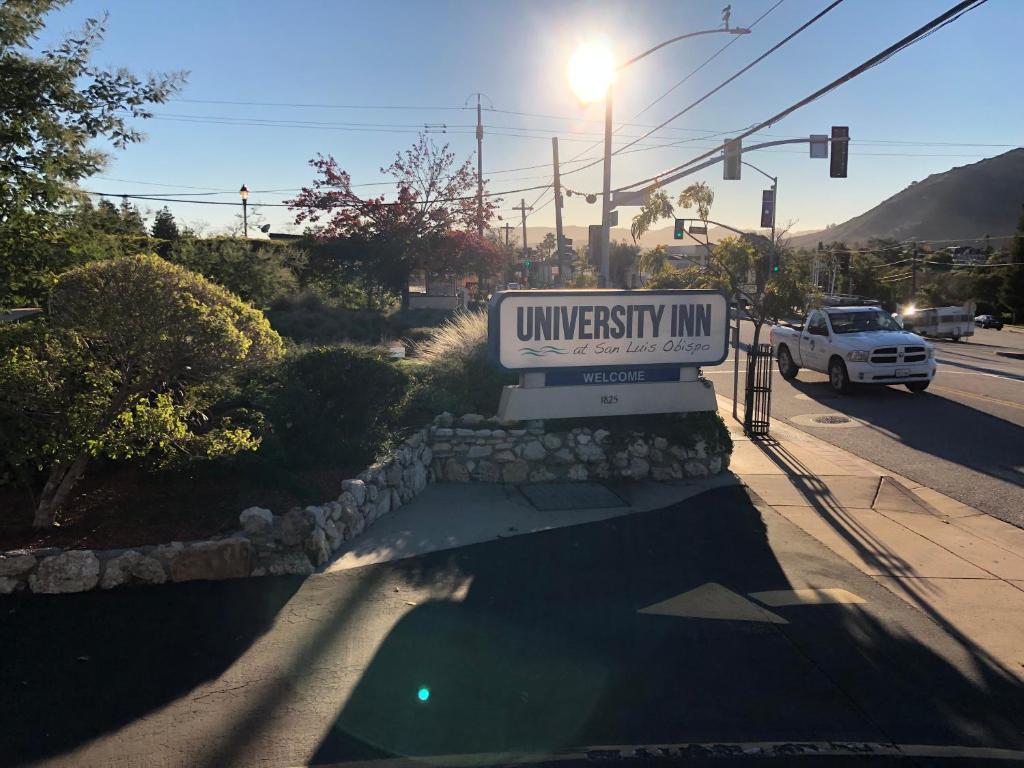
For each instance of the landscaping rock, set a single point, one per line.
(9, 584)
(455, 471)
(589, 452)
(472, 419)
(444, 420)
(542, 475)
(639, 467)
(488, 472)
(479, 451)
(295, 527)
(638, 448)
(700, 449)
(562, 456)
(335, 537)
(695, 468)
(289, 563)
(132, 567)
(516, 472)
(393, 474)
(552, 442)
(427, 456)
(715, 465)
(503, 457)
(600, 435)
(444, 432)
(212, 560)
(316, 547)
(577, 472)
(72, 571)
(583, 439)
(256, 521)
(419, 478)
(660, 443)
(534, 451)
(16, 563)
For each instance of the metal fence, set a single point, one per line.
(758, 400)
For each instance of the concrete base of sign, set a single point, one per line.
(521, 403)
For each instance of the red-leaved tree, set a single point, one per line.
(424, 226)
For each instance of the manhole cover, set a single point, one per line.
(825, 420)
(831, 419)
(551, 497)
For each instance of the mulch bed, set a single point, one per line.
(121, 506)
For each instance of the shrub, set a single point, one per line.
(334, 405)
(453, 372)
(306, 318)
(134, 352)
(257, 270)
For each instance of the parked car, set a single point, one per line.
(988, 321)
(854, 345)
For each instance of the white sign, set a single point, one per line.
(539, 330)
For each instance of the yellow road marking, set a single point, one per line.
(778, 597)
(989, 398)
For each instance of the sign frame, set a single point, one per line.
(494, 332)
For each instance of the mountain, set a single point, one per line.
(961, 204)
(578, 235)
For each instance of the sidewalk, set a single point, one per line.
(961, 567)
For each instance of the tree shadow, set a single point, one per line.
(77, 666)
(547, 652)
(933, 425)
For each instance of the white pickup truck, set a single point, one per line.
(854, 345)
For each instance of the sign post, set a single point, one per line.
(607, 352)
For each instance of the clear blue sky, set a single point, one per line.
(958, 86)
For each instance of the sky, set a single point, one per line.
(379, 72)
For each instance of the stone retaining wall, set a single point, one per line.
(474, 449)
(466, 449)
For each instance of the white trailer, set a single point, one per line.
(941, 322)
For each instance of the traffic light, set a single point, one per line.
(840, 151)
(731, 166)
(680, 230)
(527, 263)
(768, 208)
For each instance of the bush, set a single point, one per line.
(135, 352)
(453, 372)
(257, 270)
(306, 318)
(333, 405)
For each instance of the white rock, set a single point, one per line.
(132, 567)
(479, 451)
(256, 520)
(316, 516)
(577, 472)
(583, 439)
(427, 456)
(290, 563)
(695, 468)
(639, 467)
(552, 442)
(472, 419)
(73, 571)
(16, 563)
(638, 448)
(715, 465)
(316, 547)
(589, 452)
(8, 584)
(600, 435)
(534, 451)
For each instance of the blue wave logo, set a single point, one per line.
(546, 350)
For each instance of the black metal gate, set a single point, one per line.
(758, 400)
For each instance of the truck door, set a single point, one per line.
(814, 341)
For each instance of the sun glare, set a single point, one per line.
(591, 72)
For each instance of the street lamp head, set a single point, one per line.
(738, 31)
(591, 72)
(244, 192)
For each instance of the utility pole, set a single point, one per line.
(507, 228)
(606, 194)
(559, 247)
(913, 272)
(479, 170)
(523, 208)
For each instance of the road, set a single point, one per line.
(964, 437)
(635, 630)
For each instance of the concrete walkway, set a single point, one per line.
(962, 568)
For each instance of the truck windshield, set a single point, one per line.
(855, 322)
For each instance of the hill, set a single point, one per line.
(961, 204)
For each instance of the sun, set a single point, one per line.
(591, 71)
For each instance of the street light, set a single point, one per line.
(591, 74)
(244, 194)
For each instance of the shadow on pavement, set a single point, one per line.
(548, 652)
(933, 425)
(73, 667)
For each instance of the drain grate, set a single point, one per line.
(552, 497)
(831, 420)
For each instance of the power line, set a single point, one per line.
(937, 23)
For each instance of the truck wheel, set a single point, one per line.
(918, 386)
(787, 367)
(838, 377)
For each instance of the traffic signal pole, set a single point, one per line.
(559, 246)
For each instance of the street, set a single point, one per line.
(635, 630)
(963, 437)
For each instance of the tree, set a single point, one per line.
(546, 246)
(259, 271)
(733, 262)
(164, 225)
(148, 341)
(622, 258)
(434, 196)
(53, 105)
(653, 261)
(1012, 291)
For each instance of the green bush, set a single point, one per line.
(333, 406)
(452, 371)
(257, 270)
(306, 318)
(404, 320)
(134, 352)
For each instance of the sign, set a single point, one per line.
(544, 330)
(570, 377)
(632, 197)
(819, 146)
(698, 229)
